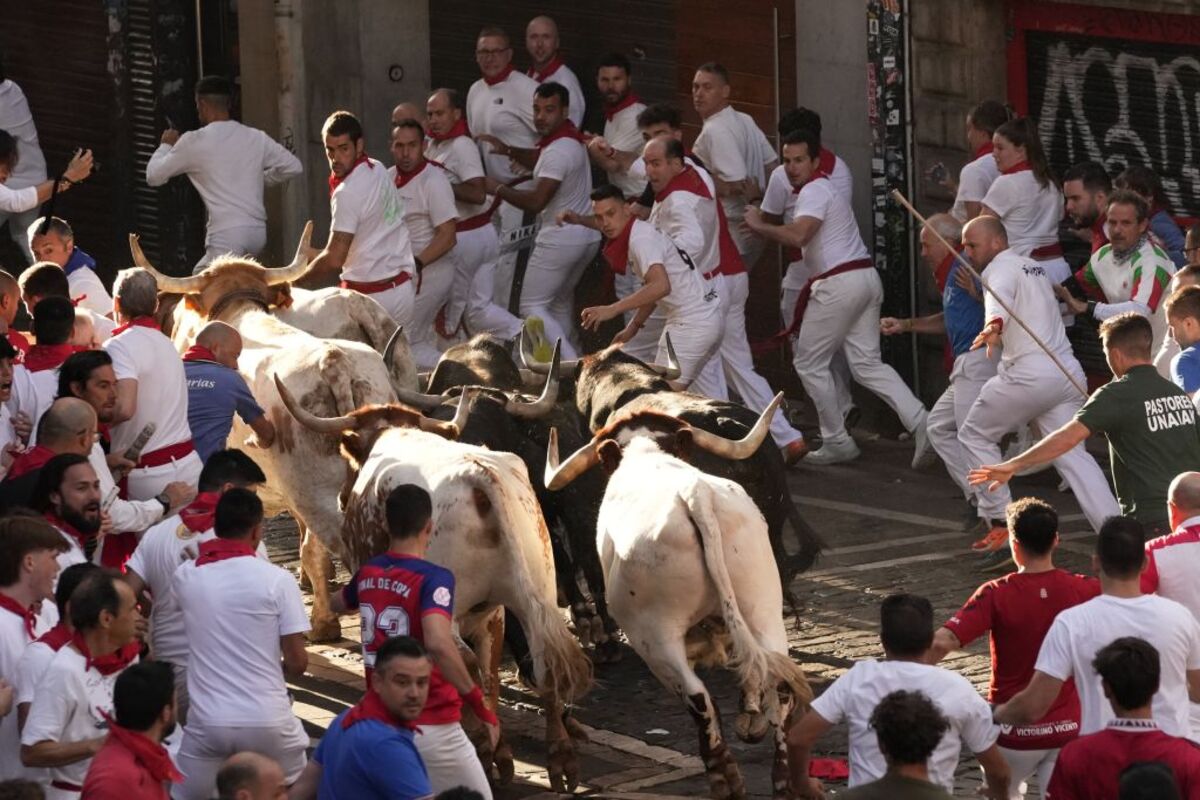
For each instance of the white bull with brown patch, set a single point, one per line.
(488, 530)
(690, 576)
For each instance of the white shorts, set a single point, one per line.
(205, 747)
(148, 482)
(450, 759)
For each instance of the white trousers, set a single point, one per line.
(148, 482)
(737, 361)
(843, 314)
(1033, 390)
(205, 747)
(548, 289)
(793, 282)
(450, 759)
(18, 229)
(398, 302)
(437, 280)
(1023, 765)
(971, 371)
(248, 240)
(472, 295)
(644, 344)
(696, 343)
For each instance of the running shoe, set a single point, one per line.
(995, 539)
(540, 346)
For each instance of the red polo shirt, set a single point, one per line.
(1090, 767)
(116, 773)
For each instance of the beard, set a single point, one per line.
(85, 520)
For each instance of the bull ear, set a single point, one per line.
(610, 455)
(356, 448)
(683, 444)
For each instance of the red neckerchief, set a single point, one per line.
(75, 301)
(113, 662)
(56, 637)
(372, 707)
(42, 357)
(616, 250)
(66, 528)
(335, 181)
(1022, 166)
(18, 340)
(942, 273)
(566, 130)
(1099, 235)
(984, 149)
(149, 753)
(457, 129)
(551, 67)
(402, 177)
(501, 78)
(828, 162)
(33, 458)
(105, 431)
(688, 180)
(136, 322)
(625, 102)
(223, 549)
(199, 352)
(24, 612)
(198, 516)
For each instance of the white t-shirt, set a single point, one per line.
(67, 707)
(733, 148)
(837, 240)
(1079, 632)
(16, 119)
(234, 612)
(1025, 286)
(13, 643)
(44, 384)
(228, 163)
(460, 157)
(428, 202)
(148, 357)
(127, 515)
(565, 77)
(691, 222)
(974, 181)
(853, 697)
(622, 133)
(686, 301)
(88, 290)
(368, 205)
(565, 160)
(1030, 212)
(504, 110)
(780, 196)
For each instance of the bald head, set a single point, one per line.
(408, 111)
(1184, 496)
(250, 776)
(223, 341)
(541, 40)
(663, 156)
(68, 426)
(983, 238)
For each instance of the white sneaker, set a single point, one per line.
(922, 453)
(833, 452)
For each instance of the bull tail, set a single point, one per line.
(339, 378)
(754, 664)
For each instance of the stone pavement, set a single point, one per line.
(887, 529)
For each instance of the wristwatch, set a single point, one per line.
(1091, 308)
(166, 502)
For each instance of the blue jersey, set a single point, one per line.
(1185, 369)
(215, 393)
(370, 760)
(963, 314)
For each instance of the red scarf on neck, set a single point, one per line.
(42, 357)
(149, 753)
(222, 549)
(551, 67)
(457, 129)
(826, 164)
(335, 181)
(984, 149)
(1020, 166)
(625, 102)
(500, 78)
(56, 637)
(616, 250)
(690, 181)
(136, 322)
(372, 707)
(66, 528)
(113, 662)
(402, 177)
(199, 353)
(33, 458)
(198, 516)
(24, 612)
(566, 130)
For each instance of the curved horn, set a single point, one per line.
(299, 265)
(425, 402)
(559, 475)
(166, 283)
(671, 371)
(533, 365)
(549, 396)
(389, 349)
(745, 447)
(310, 420)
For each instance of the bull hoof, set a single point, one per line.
(751, 727)
(608, 652)
(328, 631)
(563, 767)
(503, 761)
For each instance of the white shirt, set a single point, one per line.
(148, 357)
(566, 161)
(1030, 213)
(1079, 632)
(127, 515)
(780, 196)
(67, 707)
(86, 287)
(565, 77)
(24, 396)
(13, 642)
(17, 201)
(16, 119)
(734, 149)
(428, 202)
(460, 157)
(1025, 286)
(853, 697)
(227, 162)
(622, 133)
(686, 300)
(691, 222)
(504, 110)
(234, 612)
(974, 180)
(367, 205)
(837, 240)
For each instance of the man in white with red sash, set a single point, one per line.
(450, 144)
(541, 40)
(368, 242)
(151, 388)
(840, 310)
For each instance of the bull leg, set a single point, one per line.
(753, 721)
(782, 718)
(604, 630)
(562, 763)
(582, 614)
(315, 562)
(488, 644)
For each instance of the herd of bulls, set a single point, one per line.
(679, 539)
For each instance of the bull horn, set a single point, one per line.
(671, 371)
(299, 265)
(389, 349)
(533, 365)
(549, 396)
(425, 402)
(463, 411)
(559, 475)
(310, 420)
(166, 283)
(745, 447)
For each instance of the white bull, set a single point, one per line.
(688, 569)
